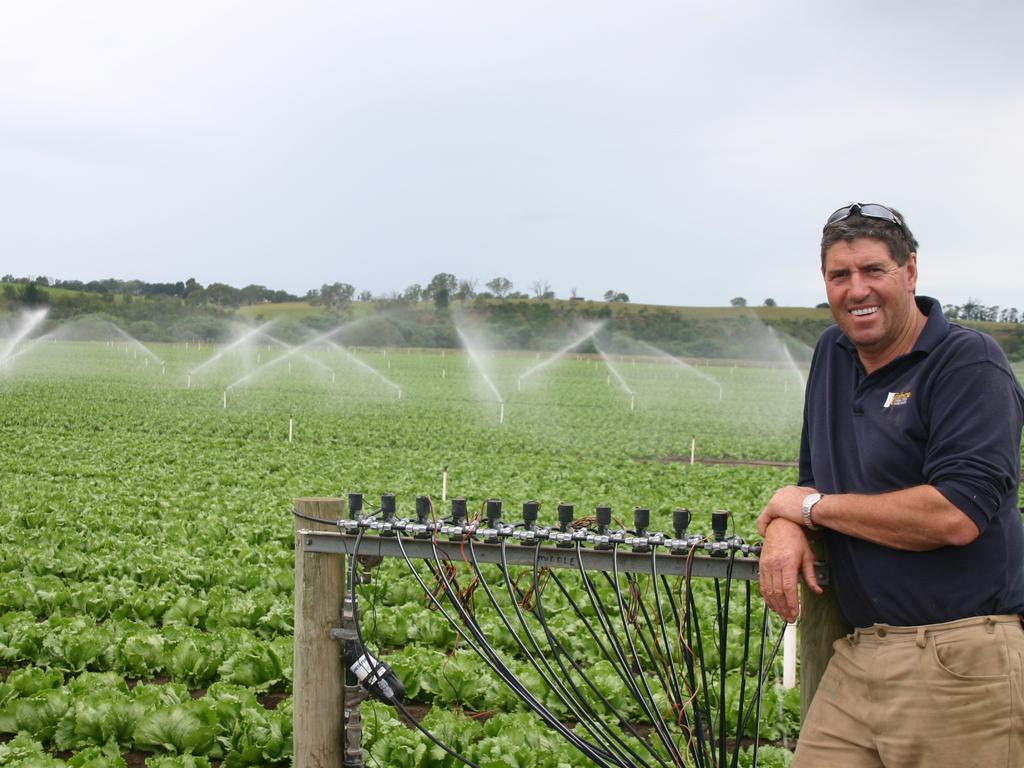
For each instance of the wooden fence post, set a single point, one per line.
(820, 625)
(317, 689)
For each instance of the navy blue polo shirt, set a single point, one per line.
(949, 415)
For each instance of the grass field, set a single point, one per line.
(146, 547)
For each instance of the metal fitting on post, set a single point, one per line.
(566, 515)
(641, 520)
(459, 511)
(422, 517)
(492, 511)
(531, 509)
(680, 523)
(603, 517)
(719, 528)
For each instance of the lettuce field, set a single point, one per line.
(147, 538)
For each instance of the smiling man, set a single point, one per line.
(910, 469)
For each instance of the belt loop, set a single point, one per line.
(921, 640)
(990, 625)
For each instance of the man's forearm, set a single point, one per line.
(915, 519)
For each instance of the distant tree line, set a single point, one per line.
(978, 312)
(220, 294)
(443, 288)
(419, 317)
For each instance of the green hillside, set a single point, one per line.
(700, 332)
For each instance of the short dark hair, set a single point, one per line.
(900, 240)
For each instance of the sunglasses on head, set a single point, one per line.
(869, 210)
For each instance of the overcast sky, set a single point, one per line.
(682, 152)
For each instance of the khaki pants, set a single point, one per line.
(936, 696)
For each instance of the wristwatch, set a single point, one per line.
(809, 501)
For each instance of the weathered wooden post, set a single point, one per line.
(318, 693)
(820, 625)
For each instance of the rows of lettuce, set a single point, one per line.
(145, 535)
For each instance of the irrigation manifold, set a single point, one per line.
(670, 618)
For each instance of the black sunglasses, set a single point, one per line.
(870, 210)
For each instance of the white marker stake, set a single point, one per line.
(443, 373)
(291, 424)
(444, 485)
(519, 385)
(501, 415)
(145, 362)
(225, 398)
(399, 394)
(188, 381)
(693, 450)
(333, 374)
(632, 403)
(789, 657)
(608, 381)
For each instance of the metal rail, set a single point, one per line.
(654, 553)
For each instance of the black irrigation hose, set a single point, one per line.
(604, 651)
(763, 675)
(692, 621)
(576, 704)
(743, 680)
(560, 651)
(723, 646)
(506, 674)
(656, 718)
(549, 676)
(359, 636)
(623, 663)
(589, 718)
(696, 734)
(686, 622)
(675, 689)
(666, 678)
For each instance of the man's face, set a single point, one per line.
(871, 296)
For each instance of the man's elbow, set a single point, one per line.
(962, 531)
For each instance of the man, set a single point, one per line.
(909, 468)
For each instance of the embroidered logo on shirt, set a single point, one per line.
(896, 398)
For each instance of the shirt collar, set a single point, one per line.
(936, 327)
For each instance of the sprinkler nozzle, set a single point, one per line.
(355, 505)
(422, 509)
(720, 524)
(530, 512)
(641, 519)
(459, 510)
(565, 518)
(493, 512)
(680, 521)
(387, 505)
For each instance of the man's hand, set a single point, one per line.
(785, 555)
(787, 504)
